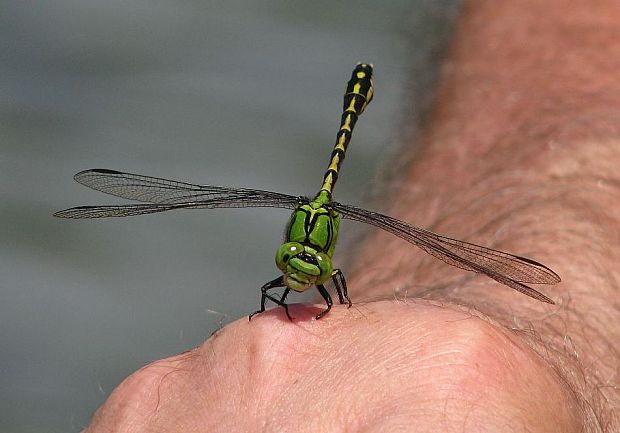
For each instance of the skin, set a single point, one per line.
(520, 153)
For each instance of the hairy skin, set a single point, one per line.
(521, 153)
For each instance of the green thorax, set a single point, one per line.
(314, 224)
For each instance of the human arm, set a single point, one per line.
(520, 154)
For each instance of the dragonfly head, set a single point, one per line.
(303, 266)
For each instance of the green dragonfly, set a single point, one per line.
(305, 257)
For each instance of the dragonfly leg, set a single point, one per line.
(278, 282)
(285, 294)
(328, 300)
(284, 304)
(341, 286)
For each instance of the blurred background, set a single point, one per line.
(243, 93)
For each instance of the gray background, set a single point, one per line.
(242, 93)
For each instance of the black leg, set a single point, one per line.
(285, 294)
(336, 273)
(278, 282)
(341, 286)
(328, 300)
(283, 304)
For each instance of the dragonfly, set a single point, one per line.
(305, 257)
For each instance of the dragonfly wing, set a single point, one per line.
(157, 190)
(162, 194)
(137, 187)
(146, 208)
(83, 212)
(505, 268)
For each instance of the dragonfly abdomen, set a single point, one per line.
(358, 94)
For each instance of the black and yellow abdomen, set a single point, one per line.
(358, 94)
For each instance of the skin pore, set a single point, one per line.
(521, 153)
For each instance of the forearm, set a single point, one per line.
(522, 154)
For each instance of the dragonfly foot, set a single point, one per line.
(328, 301)
(254, 314)
(287, 313)
(322, 313)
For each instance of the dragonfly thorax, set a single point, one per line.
(309, 243)
(314, 224)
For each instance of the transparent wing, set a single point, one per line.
(162, 194)
(111, 211)
(505, 268)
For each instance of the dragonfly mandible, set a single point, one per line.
(305, 257)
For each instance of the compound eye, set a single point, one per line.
(286, 252)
